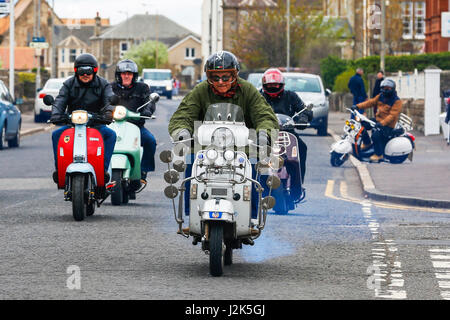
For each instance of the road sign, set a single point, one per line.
(445, 25)
(4, 6)
(39, 45)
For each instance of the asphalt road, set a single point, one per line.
(336, 245)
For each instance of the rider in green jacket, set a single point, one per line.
(223, 85)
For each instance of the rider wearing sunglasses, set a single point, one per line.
(223, 86)
(85, 91)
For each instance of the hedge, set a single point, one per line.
(330, 66)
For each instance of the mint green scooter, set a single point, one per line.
(127, 155)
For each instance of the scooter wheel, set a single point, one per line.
(79, 197)
(216, 249)
(117, 190)
(336, 160)
(228, 256)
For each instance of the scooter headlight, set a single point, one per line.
(120, 112)
(79, 117)
(222, 138)
(228, 155)
(211, 154)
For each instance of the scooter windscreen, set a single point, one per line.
(224, 112)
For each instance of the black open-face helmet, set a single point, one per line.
(222, 61)
(126, 66)
(85, 63)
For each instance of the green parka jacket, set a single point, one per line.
(258, 113)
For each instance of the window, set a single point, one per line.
(62, 74)
(72, 55)
(419, 10)
(190, 53)
(123, 48)
(407, 19)
(63, 57)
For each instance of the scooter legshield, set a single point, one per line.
(64, 154)
(96, 154)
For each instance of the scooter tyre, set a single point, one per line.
(117, 190)
(216, 249)
(79, 197)
(336, 160)
(228, 258)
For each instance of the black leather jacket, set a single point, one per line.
(94, 97)
(287, 103)
(134, 97)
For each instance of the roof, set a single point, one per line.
(73, 42)
(87, 21)
(84, 33)
(252, 3)
(148, 27)
(23, 58)
(183, 40)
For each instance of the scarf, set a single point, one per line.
(389, 100)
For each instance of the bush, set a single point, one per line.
(27, 77)
(341, 82)
(330, 68)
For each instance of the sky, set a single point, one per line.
(186, 13)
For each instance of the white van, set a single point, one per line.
(159, 81)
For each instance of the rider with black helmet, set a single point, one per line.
(85, 91)
(132, 95)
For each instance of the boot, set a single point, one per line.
(144, 177)
(375, 158)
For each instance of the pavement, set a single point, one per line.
(423, 182)
(30, 127)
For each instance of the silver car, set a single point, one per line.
(42, 112)
(310, 89)
(255, 79)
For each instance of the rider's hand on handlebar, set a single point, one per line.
(59, 118)
(183, 134)
(354, 107)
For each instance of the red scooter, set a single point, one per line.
(80, 162)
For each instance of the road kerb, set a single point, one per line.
(24, 133)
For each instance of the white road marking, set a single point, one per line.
(442, 270)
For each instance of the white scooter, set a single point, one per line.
(397, 150)
(220, 187)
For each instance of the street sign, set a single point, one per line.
(445, 25)
(38, 39)
(39, 45)
(4, 6)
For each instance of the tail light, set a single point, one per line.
(411, 137)
(447, 100)
(42, 95)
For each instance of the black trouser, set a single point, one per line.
(302, 150)
(380, 137)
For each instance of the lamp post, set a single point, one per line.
(288, 46)
(383, 35)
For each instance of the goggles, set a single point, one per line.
(223, 78)
(85, 70)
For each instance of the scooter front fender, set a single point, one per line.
(120, 161)
(81, 168)
(342, 146)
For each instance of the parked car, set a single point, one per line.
(255, 79)
(159, 81)
(42, 112)
(310, 89)
(10, 119)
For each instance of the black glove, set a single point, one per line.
(354, 107)
(59, 118)
(309, 114)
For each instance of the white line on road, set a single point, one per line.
(442, 269)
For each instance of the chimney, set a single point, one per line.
(98, 24)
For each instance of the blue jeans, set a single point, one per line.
(109, 140)
(148, 141)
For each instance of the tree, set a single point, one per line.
(261, 39)
(146, 53)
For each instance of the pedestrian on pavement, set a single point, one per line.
(447, 106)
(133, 94)
(389, 108)
(357, 87)
(223, 85)
(376, 88)
(287, 102)
(85, 91)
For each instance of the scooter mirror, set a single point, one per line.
(48, 100)
(179, 165)
(268, 202)
(154, 97)
(171, 176)
(166, 156)
(171, 192)
(273, 182)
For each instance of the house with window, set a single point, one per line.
(434, 42)
(182, 56)
(405, 25)
(110, 46)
